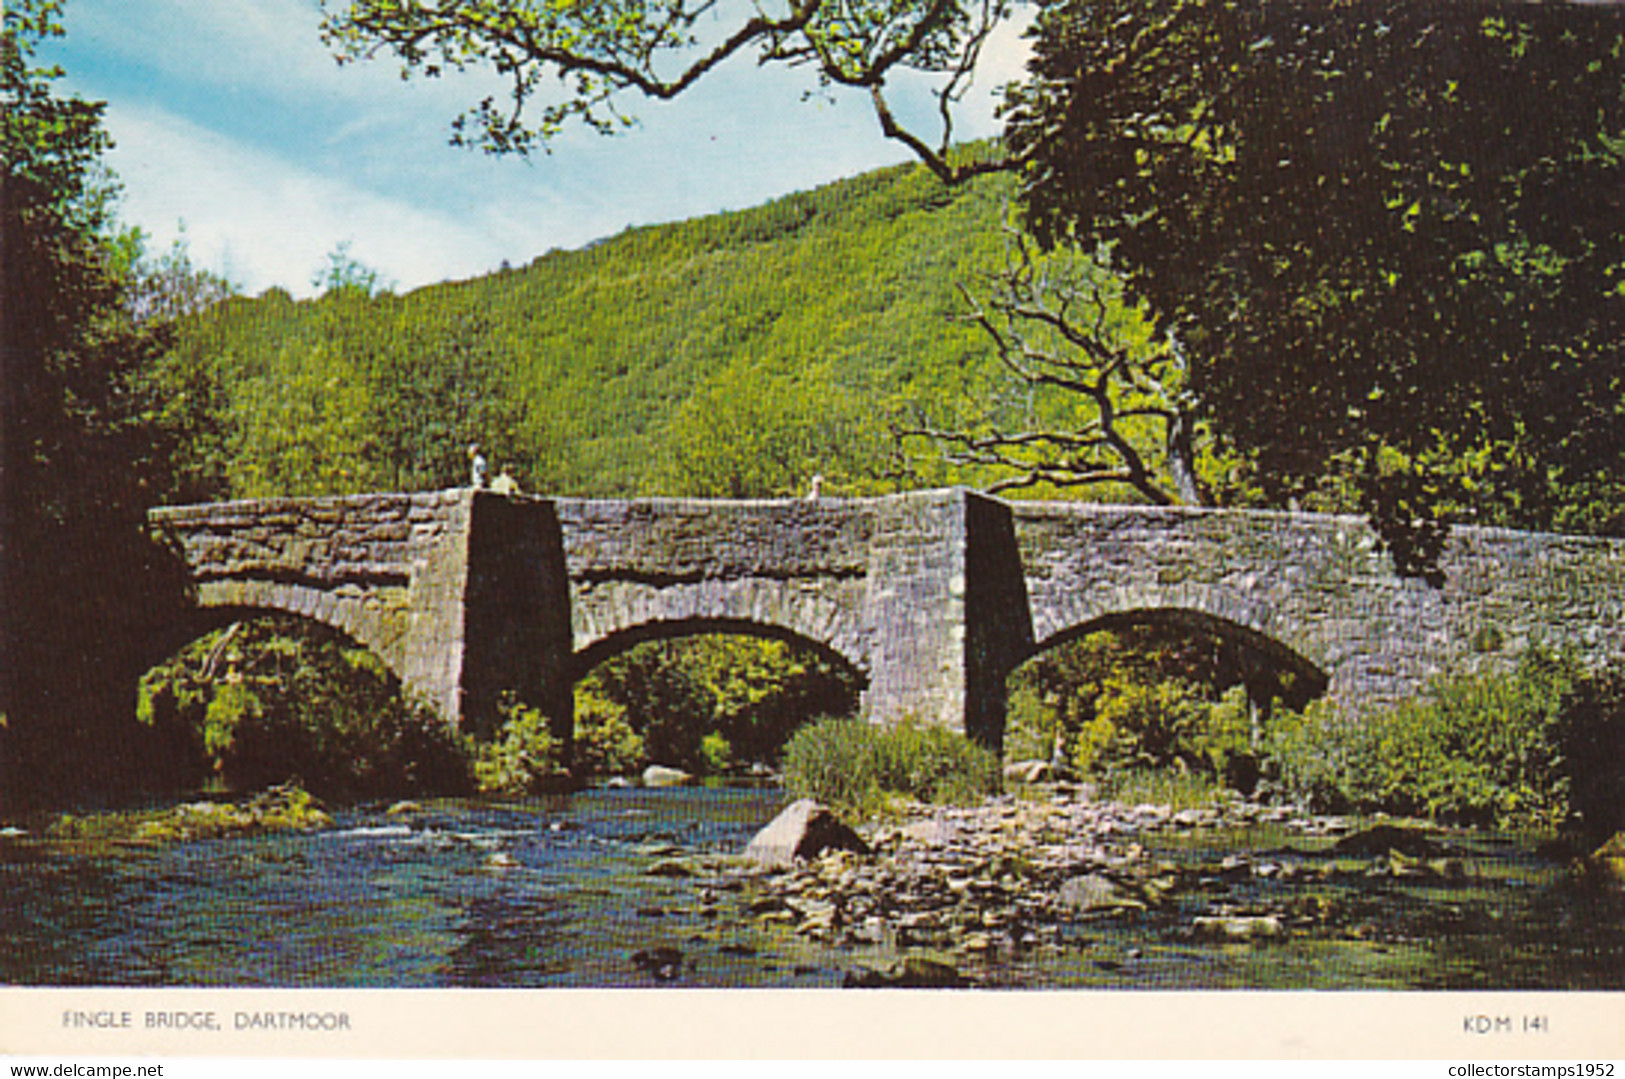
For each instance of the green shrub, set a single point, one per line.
(605, 742)
(1308, 756)
(716, 755)
(837, 762)
(278, 699)
(659, 700)
(855, 766)
(524, 756)
(1535, 747)
(1178, 790)
(1136, 698)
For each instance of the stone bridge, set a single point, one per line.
(932, 597)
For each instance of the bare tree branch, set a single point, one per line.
(1059, 327)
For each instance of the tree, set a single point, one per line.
(344, 274)
(1387, 235)
(603, 52)
(80, 458)
(1097, 399)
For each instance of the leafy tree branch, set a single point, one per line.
(600, 51)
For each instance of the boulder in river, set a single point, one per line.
(1382, 838)
(658, 775)
(804, 829)
(1093, 893)
(1239, 927)
(1031, 771)
(664, 962)
(912, 972)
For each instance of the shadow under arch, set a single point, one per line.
(614, 644)
(1262, 655)
(673, 702)
(183, 627)
(321, 709)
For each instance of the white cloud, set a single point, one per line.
(232, 117)
(266, 222)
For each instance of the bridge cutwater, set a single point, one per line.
(933, 597)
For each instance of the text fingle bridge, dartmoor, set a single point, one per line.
(933, 597)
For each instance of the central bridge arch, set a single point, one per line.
(607, 647)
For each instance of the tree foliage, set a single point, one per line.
(81, 453)
(603, 52)
(696, 702)
(1148, 695)
(277, 699)
(1386, 233)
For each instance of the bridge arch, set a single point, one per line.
(609, 616)
(1243, 614)
(606, 648)
(368, 619)
(1307, 679)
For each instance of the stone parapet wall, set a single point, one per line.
(693, 539)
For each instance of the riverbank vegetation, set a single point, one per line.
(279, 699)
(1541, 747)
(857, 768)
(1538, 747)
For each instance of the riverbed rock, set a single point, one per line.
(804, 829)
(1239, 927)
(1094, 893)
(1383, 838)
(911, 972)
(664, 963)
(672, 867)
(1031, 771)
(658, 775)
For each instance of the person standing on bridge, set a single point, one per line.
(504, 484)
(476, 466)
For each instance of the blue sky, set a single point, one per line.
(232, 119)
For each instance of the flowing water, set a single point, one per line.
(557, 892)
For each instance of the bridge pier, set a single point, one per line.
(945, 613)
(516, 615)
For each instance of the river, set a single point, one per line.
(558, 892)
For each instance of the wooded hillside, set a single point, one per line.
(735, 355)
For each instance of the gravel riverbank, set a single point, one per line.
(957, 895)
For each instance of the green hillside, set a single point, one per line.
(732, 355)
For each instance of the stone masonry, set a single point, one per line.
(933, 597)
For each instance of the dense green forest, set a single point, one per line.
(734, 356)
